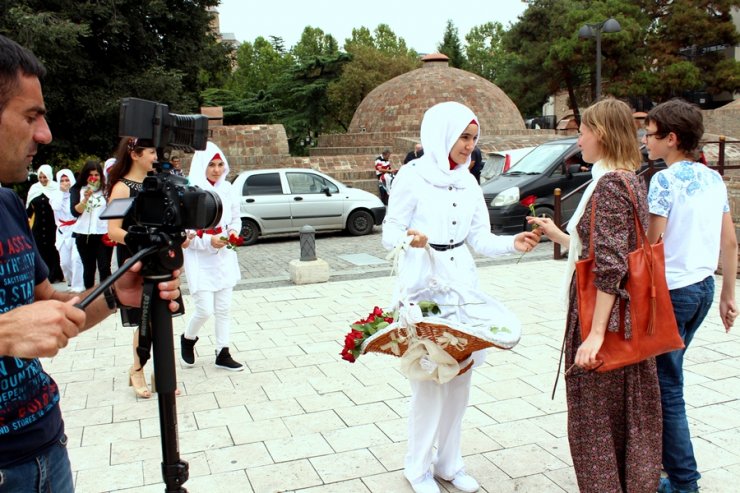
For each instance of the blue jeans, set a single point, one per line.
(48, 472)
(690, 305)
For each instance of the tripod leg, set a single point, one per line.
(174, 470)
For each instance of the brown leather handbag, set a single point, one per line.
(654, 329)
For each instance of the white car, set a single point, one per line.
(286, 199)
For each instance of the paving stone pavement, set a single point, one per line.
(300, 419)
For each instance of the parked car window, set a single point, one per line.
(309, 183)
(537, 161)
(262, 184)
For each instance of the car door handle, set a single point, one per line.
(249, 201)
(297, 198)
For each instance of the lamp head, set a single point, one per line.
(611, 26)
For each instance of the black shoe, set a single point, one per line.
(187, 352)
(225, 361)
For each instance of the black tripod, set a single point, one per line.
(160, 258)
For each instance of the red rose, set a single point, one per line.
(389, 319)
(528, 201)
(377, 312)
(347, 356)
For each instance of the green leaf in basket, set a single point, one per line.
(496, 330)
(428, 307)
(357, 327)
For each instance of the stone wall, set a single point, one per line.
(723, 122)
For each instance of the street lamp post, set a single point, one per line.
(594, 31)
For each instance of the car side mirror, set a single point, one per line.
(326, 191)
(574, 168)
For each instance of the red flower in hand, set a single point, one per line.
(233, 241)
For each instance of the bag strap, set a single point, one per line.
(644, 243)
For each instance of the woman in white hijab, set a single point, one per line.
(68, 255)
(211, 267)
(437, 202)
(38, 206)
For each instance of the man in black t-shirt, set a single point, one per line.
(35, 319)
(415, 154)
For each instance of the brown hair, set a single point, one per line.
(681, 118)
(123, 163)
(611, 120)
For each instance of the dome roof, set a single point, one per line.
(398, 105)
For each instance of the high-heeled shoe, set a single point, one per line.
(137, 380)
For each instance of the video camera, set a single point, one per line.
(166, 200)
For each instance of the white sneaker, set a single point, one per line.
(465, 482)
(426, 485)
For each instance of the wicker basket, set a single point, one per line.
(394, 340)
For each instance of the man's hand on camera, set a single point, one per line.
(129, 286)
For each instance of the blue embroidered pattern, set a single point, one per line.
(682, 178)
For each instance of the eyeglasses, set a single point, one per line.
(657, 135)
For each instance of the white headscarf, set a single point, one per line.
(442, 125)
(68, 174)
(38, 189)
(108, 165)
(197, 176)
(574, 249)
(199, 165)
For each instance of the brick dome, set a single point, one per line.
(398, 105)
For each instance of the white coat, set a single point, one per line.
(208, 268)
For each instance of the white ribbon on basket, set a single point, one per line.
(425, 360)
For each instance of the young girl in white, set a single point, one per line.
(439, 203)
(211, 267)
(69, 257)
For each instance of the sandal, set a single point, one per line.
(137, 380)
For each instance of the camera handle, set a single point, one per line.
(156, 328)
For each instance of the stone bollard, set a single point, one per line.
(308, 269)
(308, 243)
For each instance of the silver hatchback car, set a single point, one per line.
(284, 200)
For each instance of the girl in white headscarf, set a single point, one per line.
(68, 255)
(211, 267)
(38, 206)
(437, 202)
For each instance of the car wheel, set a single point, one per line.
(360, 223)
(250, 231)
(543, 211)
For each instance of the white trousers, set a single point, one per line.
(207, 304)
(436, 417)
(71, 263)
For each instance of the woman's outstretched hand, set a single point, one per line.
(420, 239)
(545, 225)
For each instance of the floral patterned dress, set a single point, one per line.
(614, 418)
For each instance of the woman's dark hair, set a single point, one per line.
(15, 60)
(90, 166)
(126, 146)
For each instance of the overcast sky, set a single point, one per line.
(420, 22)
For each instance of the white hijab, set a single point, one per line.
(442, 125)
(197, 176)
(68, 173)
(574, 250)
(38, 189)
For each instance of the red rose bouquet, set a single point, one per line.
(233, 241)
(362, 329)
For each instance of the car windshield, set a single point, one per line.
(537, 161)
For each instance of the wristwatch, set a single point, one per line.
(110, 298)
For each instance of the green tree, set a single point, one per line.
(259, 65)
(375, 58)
(548, 56)
(452, 47)
(99, 52)
(315, 43)
(687, 41)
(485, 52)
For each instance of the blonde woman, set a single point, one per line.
(614, 420)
